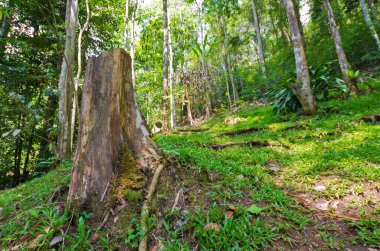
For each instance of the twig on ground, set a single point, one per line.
(176, 199)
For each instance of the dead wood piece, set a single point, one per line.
(143, 246)
(371, 119)
(243, 131)
(247, 143)
(176, 199)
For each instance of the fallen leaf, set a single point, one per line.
(116, 219)
(232, 208)
(334, 204)
(47, 229)
(56, 240)
(157, 247)
(320, 188)
(95, 237)
(302, 202)
(323, 205)
(229, 214)
(240, 176)
(212, 226)
(253, 209)
(179, 223)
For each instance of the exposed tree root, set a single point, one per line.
(247, 143)
(375, 118)
(243, 131)
(189, 130)
(256, 129)
(143, 246)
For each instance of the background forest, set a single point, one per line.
(266, 112)
(215, 62)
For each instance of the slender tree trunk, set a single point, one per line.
(259, 42)
(66, 85)
(227, 83)
(368, 20)
(343, 63)
(29, 149)
(75, 107)
(165, 101)
(133, 42)
(374, 14)
(204, 70)
(126, 29)
(113, 139)
(171, 80)
(302, 88)
(188, 107)
(18, 153)
(228, 62)
(4, 29)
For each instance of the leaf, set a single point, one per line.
(229, 214)
(5, 134)
(253, 209)
(16, 132)
(212, 226)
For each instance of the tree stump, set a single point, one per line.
(112, 129)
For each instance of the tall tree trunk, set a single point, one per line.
(228, 61)
(302, 88)
(133, 42)
(4, 29)
(368, 20)
(113, 138)
(171, 80)
(75, 107)
(201, 41)
(343, 63)
(227, 83)
(374, 14)
(65, 84)
(126, 29)
(259, 42)
(165, 101)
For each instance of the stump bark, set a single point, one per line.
(111, 125)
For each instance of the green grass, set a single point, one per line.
(334, 144)
(333, 147)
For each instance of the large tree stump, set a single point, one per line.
(111, 127)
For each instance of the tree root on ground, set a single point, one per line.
(256, 129)
(143, 246)
(247, 143)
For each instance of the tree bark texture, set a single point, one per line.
(302, 88)
(368, 20)
(165, 101)
(66, 84)
(259, 42)
(111, 124)
(343, 63)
